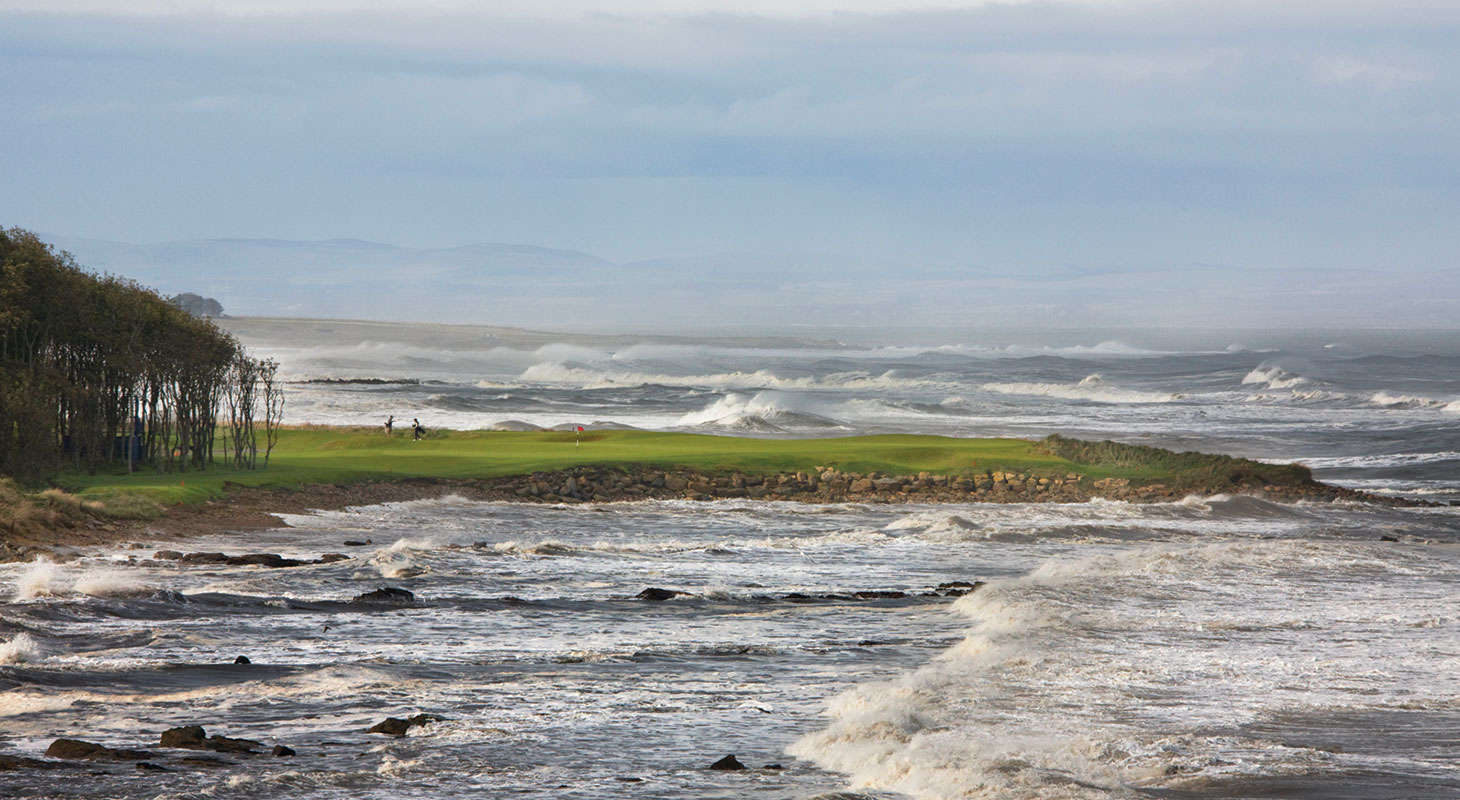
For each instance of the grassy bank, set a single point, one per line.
(345, 456)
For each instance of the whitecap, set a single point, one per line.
(20, 649)
(1273, 377)
(110, 584)
(1092, 388)
(43, 579)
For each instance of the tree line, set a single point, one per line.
(97, 371)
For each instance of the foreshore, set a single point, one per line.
(356, 468)
(247, 508)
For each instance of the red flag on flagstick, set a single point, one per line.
(580, 428)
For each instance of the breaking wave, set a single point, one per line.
(1388, 400)
(20, 649)
(1273, 377)
(765, 412)
(590, 378)
(1092, 388)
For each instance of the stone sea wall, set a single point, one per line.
(830, 485)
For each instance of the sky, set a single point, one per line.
(1274, 137)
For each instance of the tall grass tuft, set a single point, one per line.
(1175, 469)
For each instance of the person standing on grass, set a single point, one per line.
(389, 424)
(416, 428)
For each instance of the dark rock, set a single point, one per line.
(242, 660)
(772, 766)
(355, 543)
(167, 555)
(206, 761)
(11, 763)
(392, 726)
(1387, 538)
(75, 749)
(270, 560)
(728, 762)
(280, 751)
(656, 595)
(330, 558)
(395, 726)
(958, 588)
(148, 766)
(204, 558)
(187, 737)
(879, 594)
(388, 595)
(226, 744)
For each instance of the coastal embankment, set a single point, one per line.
(330, 469)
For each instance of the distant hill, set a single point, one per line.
(543, 287)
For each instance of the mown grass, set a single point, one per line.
(316, 455)
(350, 455)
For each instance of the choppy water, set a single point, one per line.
(1215, 648)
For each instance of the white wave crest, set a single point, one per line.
(1389, 400)
(1092, 388)
(43, 579)
(763, 411)
(110, 584)
(1273, 377)
(407, 545)
(20, 649)
(558, 373)
(1021, 706)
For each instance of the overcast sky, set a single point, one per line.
(1267, 135)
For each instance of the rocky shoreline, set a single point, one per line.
(248, 508)
(251, 508)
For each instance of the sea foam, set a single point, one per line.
(43, 579)
(20, 649)
(1092, 388)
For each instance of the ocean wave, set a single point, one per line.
(1104, 349)
(110, 584)
(1388, 400)
(21, 648)
(1021, 706)
(559, 373)
(554, 547)
(1273, 377)
(1382, 461)
(42, 579)
(47, 579)
(1092, 388)
(765, 412)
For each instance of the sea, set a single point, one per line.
(1218, 646)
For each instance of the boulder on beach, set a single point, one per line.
(193, 737)
(387, 595)
(728, 762)
(395, 726)
(270, 560)
(187, 737)
(11, 763)
(656, 595)
(75, 749)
